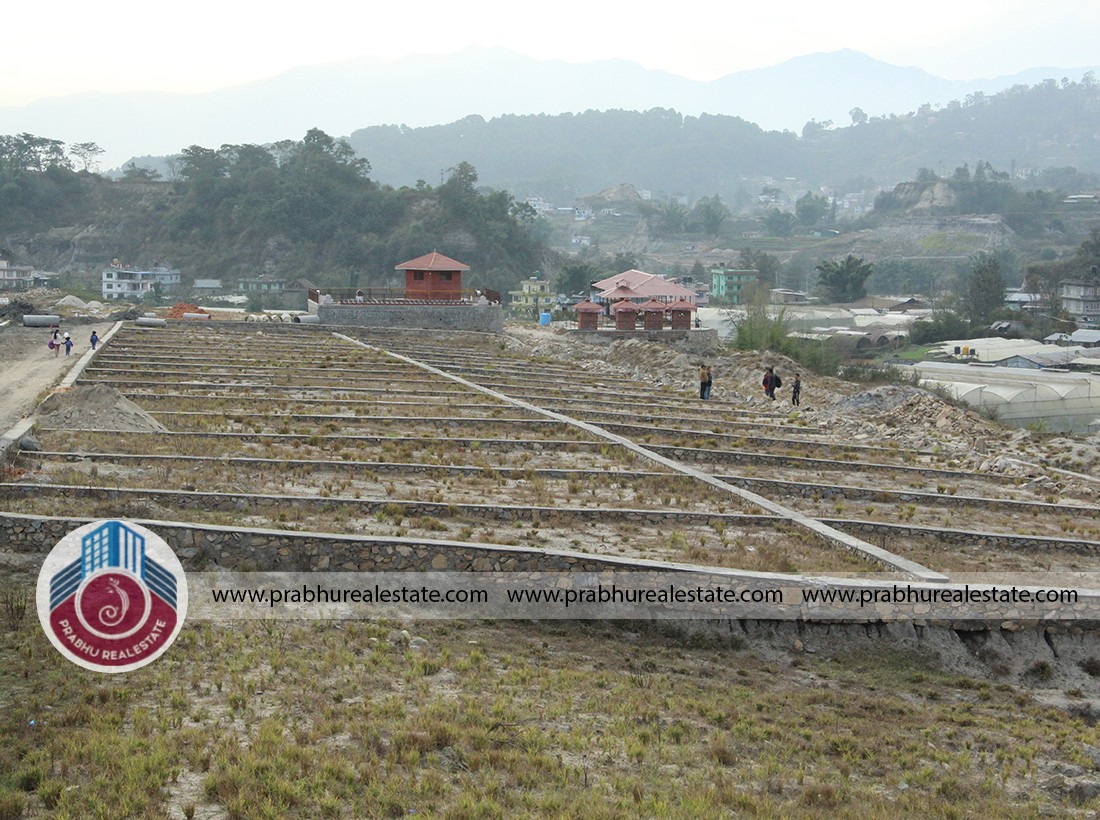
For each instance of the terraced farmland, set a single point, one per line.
(421, 435)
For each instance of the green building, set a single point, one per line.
(729, 285)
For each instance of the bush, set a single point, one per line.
(941, 327)
(756, 330)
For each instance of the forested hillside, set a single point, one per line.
(1032, 131)
(307, 208)
(345, 212)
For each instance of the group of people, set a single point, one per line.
(706, 381)
(771, 383)
(59, 340)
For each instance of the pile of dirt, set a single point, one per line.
(95, 407)
(70, 301)
(880, 399)
(17, 309)
(177, 310)
(125, 315)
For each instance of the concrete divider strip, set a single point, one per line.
(910, 568)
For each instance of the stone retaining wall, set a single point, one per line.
(485, 318)
(205, 547)
(782, 487)
(1035, 543)
(548, 516)
(704, 341)
(819, 492)
(242, 502)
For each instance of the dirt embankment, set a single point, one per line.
(95, 407)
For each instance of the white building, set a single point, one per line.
(119, 283)
(1081, 300)
(15, 277)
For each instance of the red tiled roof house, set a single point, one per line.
(433, 277)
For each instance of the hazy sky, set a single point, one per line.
(65, 47)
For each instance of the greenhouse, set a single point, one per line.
(1057, 401)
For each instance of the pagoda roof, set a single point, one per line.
(587, 307)
(621, 292)
(432, 261)
(681, 304)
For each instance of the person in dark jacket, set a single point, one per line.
(770, 382)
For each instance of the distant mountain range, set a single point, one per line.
(340, 98)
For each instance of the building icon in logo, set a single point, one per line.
(112, 596)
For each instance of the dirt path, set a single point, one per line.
(27, 369)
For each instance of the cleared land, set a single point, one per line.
(338, 431)
(300, 429)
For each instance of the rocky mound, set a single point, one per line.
(96, 407)
(16, 309)
(881, 399)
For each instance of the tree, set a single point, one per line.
(811, 208)
(575, 277)
(814, 129)
(858, 116)
(763, 263)
(135, 173)
(942, 326)
(459, 193)
(624, 261)
(710, 213)
(202, 163)
(671, 216)
(779, 223)
(844, 281)
(88, 154)
(769, 194)
(1088, 253)
(985, 289)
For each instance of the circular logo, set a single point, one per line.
(112, 596)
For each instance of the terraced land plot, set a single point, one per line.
(907, 501)
(309, 431)
(301, 428)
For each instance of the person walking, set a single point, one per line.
(94, 340)
(703, 382)
(68, 345)
(796, 390)
(709, 382)
(55, 343)
(770, 383)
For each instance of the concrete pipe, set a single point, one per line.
(196, 316)
(41, 320)
(151, 321)
(307, 319)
